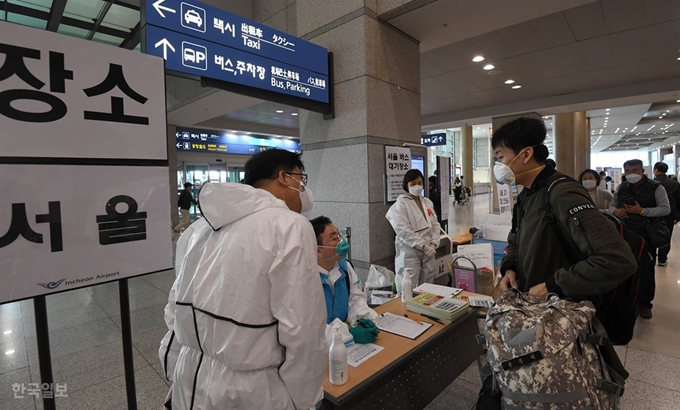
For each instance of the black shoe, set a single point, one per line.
(664, 263)
(646, 313)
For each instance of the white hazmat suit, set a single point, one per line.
(246, 314)
(414, 231)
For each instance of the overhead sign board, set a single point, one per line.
(209, 23)
(204, 141)
(431, 140)
(397, 163)
(194, 56)
(80, 225)
(58, 100)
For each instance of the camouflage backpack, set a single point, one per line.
(551, 355)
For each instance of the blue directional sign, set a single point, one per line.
(218, 26)
(204, 141)
(431, 140)
(202, 58)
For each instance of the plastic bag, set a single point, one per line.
(379, 277)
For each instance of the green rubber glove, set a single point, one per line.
(365, 332)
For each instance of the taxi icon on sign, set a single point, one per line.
(192, 17)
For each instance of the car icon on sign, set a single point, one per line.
(192, 16)
(189, 55)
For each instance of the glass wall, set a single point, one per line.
(615, 159)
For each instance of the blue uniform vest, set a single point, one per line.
(337, 304)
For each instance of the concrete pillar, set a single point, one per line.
(564, 143)
(377, 103)
(466, 155)
(581, 146)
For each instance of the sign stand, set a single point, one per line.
(128, 360)
(44, 357)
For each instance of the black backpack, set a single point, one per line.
(617, 309)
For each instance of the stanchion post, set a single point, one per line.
(128, 360)
(42, 332)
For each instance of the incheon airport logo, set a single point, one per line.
(51, 285)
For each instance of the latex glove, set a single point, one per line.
(429, 251)
(365, 332)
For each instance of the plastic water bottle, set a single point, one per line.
(337, 359)
(406, 287)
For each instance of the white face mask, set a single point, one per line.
(415, 190)
(503, 174)
(306, 197)
(633, 178)
(589, 184)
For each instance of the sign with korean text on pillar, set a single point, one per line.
(86, 186)
(201, 40)
(397, 163)
(504, 198)
(433, 140)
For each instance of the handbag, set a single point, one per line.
(657, 232)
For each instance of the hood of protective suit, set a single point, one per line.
(224, 203)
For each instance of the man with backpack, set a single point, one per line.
(673, 192)
(553, 220)
(643, 204)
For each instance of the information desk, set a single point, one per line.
(408, 374)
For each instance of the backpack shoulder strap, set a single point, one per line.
(573, 252)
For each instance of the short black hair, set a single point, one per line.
(522, 133)
(607, 178)
(188, 184)
(594, 173)
(411, 175)
(661, 167)
(432, 180)
(319, 224)
(267, 164)
(603, 173)
(633, 162)
(551, 163)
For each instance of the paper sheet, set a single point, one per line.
(400, 325)
(359, 353)
(437, 290)
(481, 301)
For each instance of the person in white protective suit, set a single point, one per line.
(414, 221)
(345, 299)
(246, 314)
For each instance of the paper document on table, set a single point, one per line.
(400, 325)
(440, 290)
(359, 353)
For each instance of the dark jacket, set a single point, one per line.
(644, 194)
(673, 190)
(185, 200)
(537, 255)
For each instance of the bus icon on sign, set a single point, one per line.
(194, 56)
(192, 17)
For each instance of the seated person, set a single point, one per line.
(345, 300)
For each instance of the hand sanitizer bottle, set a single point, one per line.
(406, 287)
(337, 359)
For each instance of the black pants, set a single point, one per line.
(663, 252)
(647, 281)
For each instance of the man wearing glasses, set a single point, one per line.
(345, 300)
(245, 316)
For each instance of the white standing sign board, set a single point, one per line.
(504, 198)
(397, 163)
(83, 162)
(69, 98)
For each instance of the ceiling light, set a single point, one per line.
(512, 82)
(6, 332)
(478, 59)
(649, 139)
(279, 111)
(9, 352)
(607, 109)
(294, 114)
(514, 87)
(606, 118)
(489, 67)
(650, 128)
(660, 117)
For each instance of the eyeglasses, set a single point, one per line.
(304, 176)
(335, 238)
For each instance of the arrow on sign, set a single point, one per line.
(179, 145)
(158, 7)
(166, 44)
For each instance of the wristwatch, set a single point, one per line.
(642, 212)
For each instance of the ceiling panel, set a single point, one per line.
(587, 21)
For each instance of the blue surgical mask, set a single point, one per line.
(341, 249)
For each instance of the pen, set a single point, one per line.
(433, 319)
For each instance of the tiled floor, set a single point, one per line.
(86, 346)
